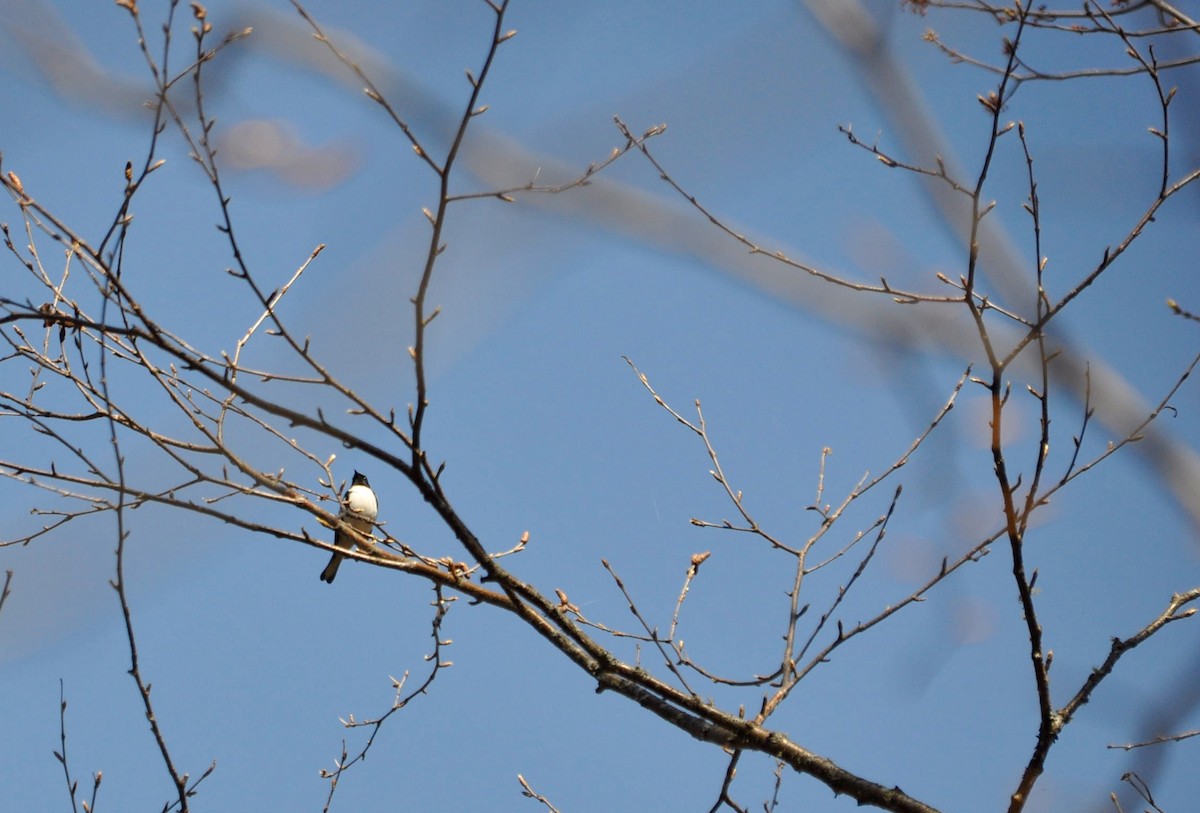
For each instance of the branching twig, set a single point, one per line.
(899, 296)
(724, 799)
(6, 591)
(651, 633)
(1142, 789)
(529, 793)
(61, 755)
(1176, 610)
(441, 605)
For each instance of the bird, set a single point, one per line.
(360, 507)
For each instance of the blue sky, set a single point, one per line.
(545, 428)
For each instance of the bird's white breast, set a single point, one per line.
(361, 501)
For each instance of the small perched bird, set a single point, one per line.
(359, 509)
